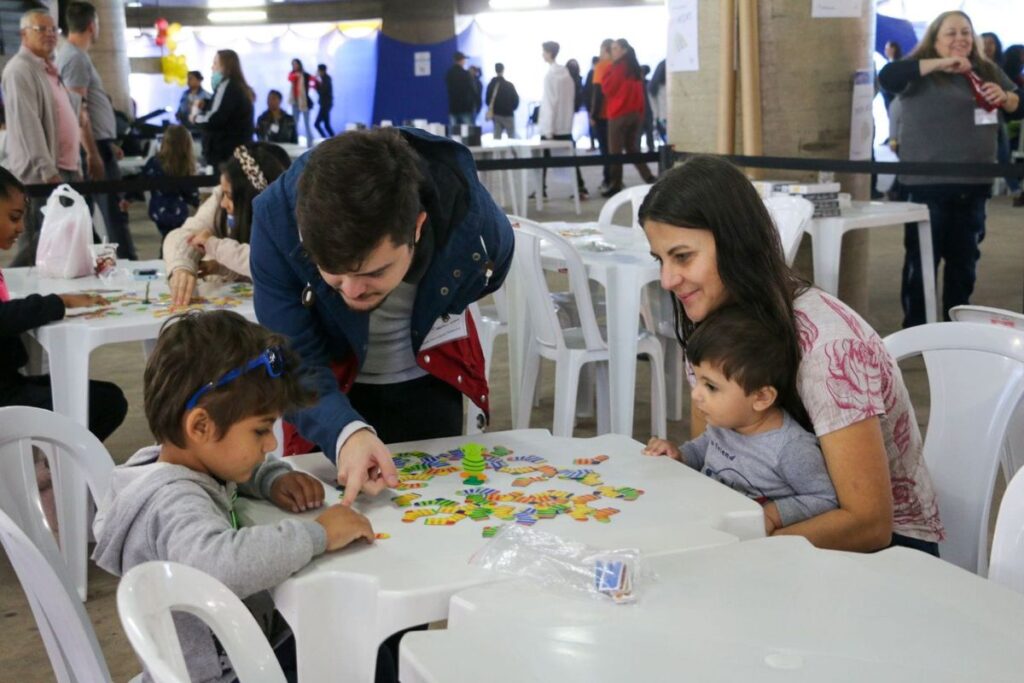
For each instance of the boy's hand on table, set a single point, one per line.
(344, 525)
(365, 464)
(297, 492)
(658, 446)
(772, 519)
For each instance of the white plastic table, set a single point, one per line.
(624, 269)
(776, 609)
(344, 604)
(827, 241)
(509, 148)
(68, 344)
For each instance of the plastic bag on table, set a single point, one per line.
(521, 551)
(65, 236)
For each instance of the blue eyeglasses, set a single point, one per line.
(272, 359)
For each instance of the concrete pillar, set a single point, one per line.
(110, 53)
(807, 68)
(422, 21)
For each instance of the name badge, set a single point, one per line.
(274, 128)
(445, 331)
(985, 118)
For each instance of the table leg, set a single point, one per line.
(334, 620)
(924, 241)
(827, 245)
(517, 339)
(623, 313)
(69, 384)
(524, 181)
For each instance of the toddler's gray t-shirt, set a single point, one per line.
(784, 465)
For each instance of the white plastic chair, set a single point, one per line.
(1013, 449)
(976, 378)
(1007, 564)
(790, 215)
(149, 593)
(634, 195)
(64, 626)
(491, 323)
(67, 444)
(574, 347)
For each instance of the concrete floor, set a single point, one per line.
(22, 657)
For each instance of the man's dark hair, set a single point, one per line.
(499, 68)
(551, 47)
(196, 75)
(743, 349)
(276, 92)
(321, 67)
(199, 347)
(357, 189)
(79, 15)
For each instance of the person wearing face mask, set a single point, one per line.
(215, 242)
(951, 97)
(228, 122)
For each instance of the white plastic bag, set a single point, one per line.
(65, 236)
(619, 575)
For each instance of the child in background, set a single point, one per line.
(213, 388)
(745, 389)
(169, 209)
(215, 242)
(107, 404)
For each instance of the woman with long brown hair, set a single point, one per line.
(229, 121)
(717, 246)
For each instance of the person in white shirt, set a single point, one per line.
(557, 108)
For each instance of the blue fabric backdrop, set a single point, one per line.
(401, 94)
(900, 31)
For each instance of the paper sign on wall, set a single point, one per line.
(831, 9)
(861, 120)
(421, 63)
(682, 36)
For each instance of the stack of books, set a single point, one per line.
(824, 196)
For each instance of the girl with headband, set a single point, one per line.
(215, 242)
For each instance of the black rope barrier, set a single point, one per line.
(663, 159)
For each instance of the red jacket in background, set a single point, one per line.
(623, 95)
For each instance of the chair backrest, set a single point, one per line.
(67, 444)
(64, 626)
(1013, 448)
(634, 195)
(531, 276)
(1007, 564)
(976, 380)
(150, 592)
(791, 216)
(987, 315)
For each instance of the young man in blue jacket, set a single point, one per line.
(366, 254)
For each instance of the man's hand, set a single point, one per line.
(297, 492)
(183, 285)
(658, 446)
(365, 464)
(344, 525)
(95, 167)
(118, 152)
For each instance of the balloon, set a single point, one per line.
(173, 28)
(161, 25)
(171, 43)
(160, 40)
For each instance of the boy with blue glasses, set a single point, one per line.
(214, 386)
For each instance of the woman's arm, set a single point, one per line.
(231, 254)
(896, 76)
(857, 463)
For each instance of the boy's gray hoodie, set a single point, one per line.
(160, 511)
